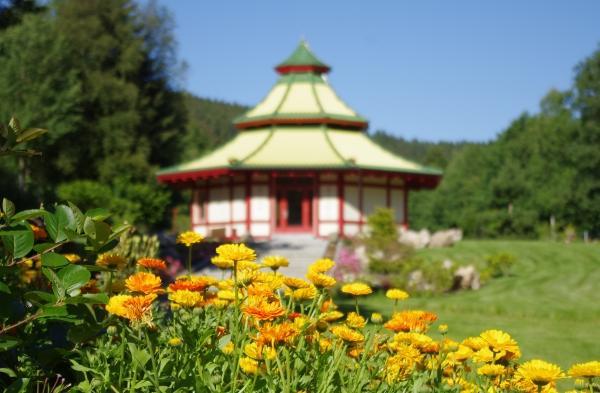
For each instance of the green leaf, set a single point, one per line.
(89, 227)
(8, 372)
(42, 247)
(19, 244)
(96, 268)
(8, 342)
(30, 134)
(98, 214)
(53, 259)
(83, 332)
(79, 217)
(89, 298)
(49, 311)
(106, 247)
(4, 288)
(40, 297)
(15, 125)
(8, 208)
(51, 225)
(79, 367)
(74, 277)
(57, 287)
(28, 214)
(140, 357)
(19, 386)
(65, 219)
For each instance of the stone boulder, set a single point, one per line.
(466, 277)
(416, 240)
(445, 238)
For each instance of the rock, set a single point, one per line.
(415, 239)
(466, 277)
(445, 238)
(447, 264)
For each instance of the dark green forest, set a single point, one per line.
(116, 112)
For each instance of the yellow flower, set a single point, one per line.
(539, 372)
(226, 294)
(138, 309)
(152, 263)
(189, 238)
(503, 346)
(294, 282)
(376, 317)
(248, 365)
(186, 298)
(262, 309)
(228, 348)
(320, 280)
(221, 263)
(175, 341)
(585, 370)
(396, 294)
(258, 351)
(275, 262)
(443, 328)
(236, 253)
(73, 258)
(347, 334)
(357, 289)
(331, 316)
(111, 261)
(305, 293)
(321, 265)
(194, 283)
(115, 305)
(274, 334)
(355, 321)
(474, 343)
(411, 320)
(144, 283)
(491, 370)
(325, 344)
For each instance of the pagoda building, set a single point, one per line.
(301, 162)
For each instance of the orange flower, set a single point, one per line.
(144, 282)
(411, 321)
(197, 283)
(152, 263)
(263, 309)
(138, 309)
(275, 334)
(39, 233)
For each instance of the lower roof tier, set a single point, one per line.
(297, 148)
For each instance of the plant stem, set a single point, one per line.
(153, 360)
(190, 260)
(356, 304)
(17, 324)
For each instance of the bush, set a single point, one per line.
(499, 265)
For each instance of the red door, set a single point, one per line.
(294, 209)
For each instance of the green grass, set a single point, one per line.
(550, 304)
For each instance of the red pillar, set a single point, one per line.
(340, 182)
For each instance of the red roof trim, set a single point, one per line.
(319, 120)
(287, 69)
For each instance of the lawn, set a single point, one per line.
(550, 304)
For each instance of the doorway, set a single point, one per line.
(294, 209)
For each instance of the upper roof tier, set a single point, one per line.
(302, 96)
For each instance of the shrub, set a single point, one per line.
(499, 265)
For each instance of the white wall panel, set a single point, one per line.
(328, 203)
(326, 228)
(259, 204)
(239, 203)
(351, 211)
(260, 229)
(397, 203)
(201, 229)
(373, 198)
(351, 229)
(218, 205)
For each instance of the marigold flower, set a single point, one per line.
(305, 293)
(259, 351)
(503, 346)
(260, 289)
(539, 372)
(263, 309)
(274, 334)
(443, 328)
(194, 283)
(400, 366)
(355, 321)
(376, 317)
(115, 305)
(347, 334)
(491, 370)
(39, 233)
(236, 253)
(138, 309)
(189, 238)
(357, 289)
(331, 316)
(152, 263)
(228, 348)
(248, 365)
(396, 294)
(585, 370)
(325, 344)
(411, 320)
(474, 343)
(73, 258)
(320, 280)
(354, 352)
(321, 265)
(275, 261)
(111, 261)
(221, 263)
(226, 294)
(175, 341)
(186, 298)
(90, 287)
(295, 283)
(144, 283)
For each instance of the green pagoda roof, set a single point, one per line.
(302, 60)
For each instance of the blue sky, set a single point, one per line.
(432, 70)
